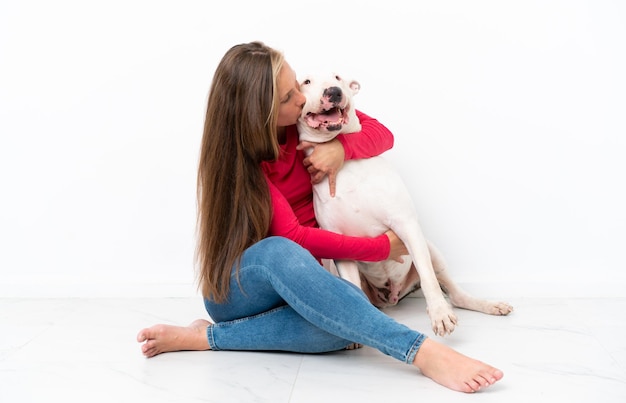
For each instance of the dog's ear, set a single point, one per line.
(355, 86)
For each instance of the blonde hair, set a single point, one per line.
(240, 131)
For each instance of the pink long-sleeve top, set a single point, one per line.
(292, 195)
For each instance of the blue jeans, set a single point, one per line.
(285, 300)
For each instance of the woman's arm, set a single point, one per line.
(321, 243)
(327, 158)
(373, 139)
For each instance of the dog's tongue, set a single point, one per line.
(332, 116)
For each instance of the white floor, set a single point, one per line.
(84, 350)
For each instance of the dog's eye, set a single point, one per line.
(337, 78)
(306, 82)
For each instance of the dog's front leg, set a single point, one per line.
(442, 317)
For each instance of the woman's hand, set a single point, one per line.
(397, 249)
(326, 159)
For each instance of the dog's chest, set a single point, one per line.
(369, 194)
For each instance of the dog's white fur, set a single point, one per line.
(370, 199)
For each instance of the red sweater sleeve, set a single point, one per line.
(373, 139)
(321, 243)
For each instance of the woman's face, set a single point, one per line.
(291, 99)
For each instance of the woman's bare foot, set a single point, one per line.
(354, 346)
(164, 338)
(454, 370)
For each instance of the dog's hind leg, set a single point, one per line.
(349, 270)
(459, 297)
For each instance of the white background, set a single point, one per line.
(509, 120)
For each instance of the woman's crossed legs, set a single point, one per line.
(288, 302)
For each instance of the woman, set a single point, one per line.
(268, 292)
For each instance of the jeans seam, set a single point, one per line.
(415, 348)
(211, 339)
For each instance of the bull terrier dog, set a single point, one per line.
(370, 199)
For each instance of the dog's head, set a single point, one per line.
(329, 108)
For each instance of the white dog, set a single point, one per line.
(370, 199)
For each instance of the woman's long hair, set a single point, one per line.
(234, 206)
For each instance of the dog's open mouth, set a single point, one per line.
(331, 119)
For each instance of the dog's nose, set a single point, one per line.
(334, 94)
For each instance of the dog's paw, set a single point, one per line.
(499, 308)
(492, 308)
(443, 320)
(466, 301)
